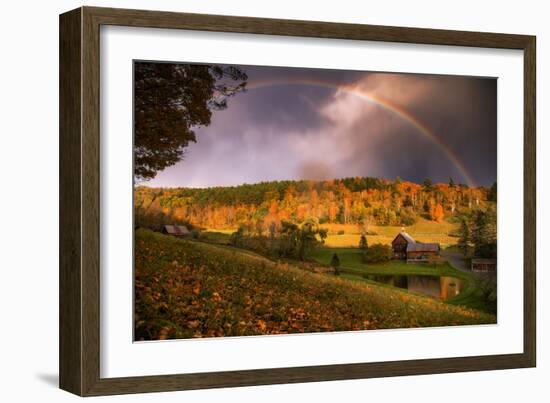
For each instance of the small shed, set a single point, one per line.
(484, 265)
(176, 230)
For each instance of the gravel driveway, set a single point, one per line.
(456, 259)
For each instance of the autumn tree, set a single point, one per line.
(288, 239)
(436, 212)
(296, 241)
(333, 211)
(426, 206)
(308, 237)
(169, 101)
(407, 216)
(272, 229)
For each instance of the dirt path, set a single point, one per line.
(455, 259)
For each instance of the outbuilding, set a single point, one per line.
(484, 265)
(176, 230)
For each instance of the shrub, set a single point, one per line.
(341, 232)
(363, 243)
(377, 253)
(487, 286)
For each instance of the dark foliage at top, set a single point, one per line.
(169, 100)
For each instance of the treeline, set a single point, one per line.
(361, 200)
(287, 240)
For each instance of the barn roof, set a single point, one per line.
(422, 247)
(176, 229)
(407, 237)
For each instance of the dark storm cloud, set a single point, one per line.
(279, 101)
(460, 111)
(283, 106)
(283, 128)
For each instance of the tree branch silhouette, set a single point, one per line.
(169, 101)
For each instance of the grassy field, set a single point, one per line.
(423, 231)
(220, 237)
(353, 268)
(192, 289)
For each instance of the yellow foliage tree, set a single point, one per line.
(436, 212)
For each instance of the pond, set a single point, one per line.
(434, 286)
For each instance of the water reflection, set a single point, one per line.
(434, 286)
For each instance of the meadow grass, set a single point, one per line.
(192, 289)
(225, 231)
(423, 231)
(216, 236)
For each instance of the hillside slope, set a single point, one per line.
(191, 289)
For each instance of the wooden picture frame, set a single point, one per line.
(79, 201)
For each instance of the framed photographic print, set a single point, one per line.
(249, 201)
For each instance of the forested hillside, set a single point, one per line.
(264, 206)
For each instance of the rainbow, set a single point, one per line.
(385, 104)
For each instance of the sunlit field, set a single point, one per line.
(423, 230)
(347, 235)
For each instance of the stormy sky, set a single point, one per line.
(296, 123)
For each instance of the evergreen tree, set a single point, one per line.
(484, 233)
(428, 185)
(492, 194)
(363, 244)
(335, 263)
(451, 182)
(479, 232)
(464, 240)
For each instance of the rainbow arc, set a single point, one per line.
(387, 105)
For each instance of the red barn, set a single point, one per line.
(400, 243)
(404, 247)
